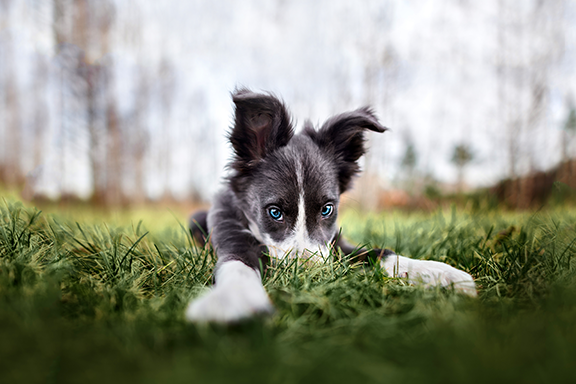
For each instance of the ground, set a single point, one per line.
(84, 298)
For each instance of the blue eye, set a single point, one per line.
(327, 210)
(275, 213)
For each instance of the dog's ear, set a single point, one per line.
(261, 125)
(342, 136)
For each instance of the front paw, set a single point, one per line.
(228, 305)
(238, 294)
(447, 276)
(430, 273)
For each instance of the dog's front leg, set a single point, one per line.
(427, 272)
(238, 293)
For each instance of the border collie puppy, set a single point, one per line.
(281, 200)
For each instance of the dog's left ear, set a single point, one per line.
(342, 136)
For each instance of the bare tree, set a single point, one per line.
(138, 134)
(545, 33)
(38, 127)
(502, 80)
(530, 44)
(379, 62)
(167, 85)
(10, 168)
(86, 24)
(114, 158)
(40, 108)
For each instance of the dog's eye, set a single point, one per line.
(327, 210)
(275, 213)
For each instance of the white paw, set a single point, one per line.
(238, 294)
(430, 273)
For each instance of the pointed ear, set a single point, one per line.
(261, 125)
(342, 136)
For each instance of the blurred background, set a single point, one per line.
(124, 102)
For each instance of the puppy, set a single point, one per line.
(281, 200)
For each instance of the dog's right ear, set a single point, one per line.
(261, 125)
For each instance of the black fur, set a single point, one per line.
(230, 237)
(264, 171)
(343, 137)
(261, 125)
(199, 227)
(281, 200)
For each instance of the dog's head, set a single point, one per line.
(287, 185)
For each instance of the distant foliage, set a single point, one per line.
(409, 159)
(570, 124)
(462, 155)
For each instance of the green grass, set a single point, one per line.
(93, 302)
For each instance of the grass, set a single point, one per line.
(82, 301)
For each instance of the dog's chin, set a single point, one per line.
(310, 255)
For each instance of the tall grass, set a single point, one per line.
(99, 303)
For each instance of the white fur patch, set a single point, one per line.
(429, 273)
(298, 243)
(312, 253)
(237, 294)
(300, 232)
